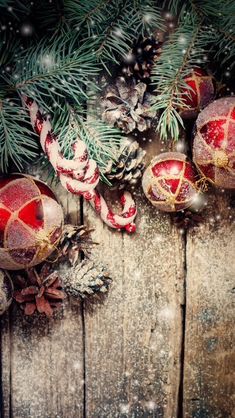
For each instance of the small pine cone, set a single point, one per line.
(129, 166)
(39, 291)
(86, 279)
(6, 291)
(127, 105)
(142, 57)
(74, 240)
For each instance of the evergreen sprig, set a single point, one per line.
(181, 52)
(102, 141)
(73, 41)
(17, 142)
(54, 72)
(115, 24)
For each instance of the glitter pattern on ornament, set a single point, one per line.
(31, 222)
(169, 182)
(199, 93)
(214, 143)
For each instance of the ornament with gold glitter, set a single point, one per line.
(169, 182)
(31, 222)
(214, 143)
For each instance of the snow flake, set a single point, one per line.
(147, 18)
(47, 61)
(151, 405)
(26, 29)
(124, 408)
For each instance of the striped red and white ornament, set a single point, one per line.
(80, 175)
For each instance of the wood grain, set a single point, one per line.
(133, 339)
(209, 350)
(42, 360)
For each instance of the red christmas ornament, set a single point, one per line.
(201, 91)
(169, 182)
(214, 143)
(31, 222)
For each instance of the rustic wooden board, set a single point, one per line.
(133, 340)
(122, 357)
(210, 339)
(42, 360)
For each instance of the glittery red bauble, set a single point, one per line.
(169, 182)
(31, 222)
(201, 91)
(214, 143)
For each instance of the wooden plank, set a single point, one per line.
(209, 346)
(45, 364)
(5, 399)
(133, 339)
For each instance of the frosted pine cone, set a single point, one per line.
(129, 166)
(127, 106)
(85, 279)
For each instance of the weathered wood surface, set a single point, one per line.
(209, 379)
(133, 341)
(42, 360)
(135, 354)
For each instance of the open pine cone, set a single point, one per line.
(141, 58)
(40, 292)
(74, 240)
(129, 166)
(127, 106)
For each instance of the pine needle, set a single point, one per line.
(17, 144)
(180, 54)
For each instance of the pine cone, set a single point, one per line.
(6, 291)
(187, 219)
(127, 106)
(86, 279)
(129, 166)
(75, 239)
(40, 292)
(140, 60)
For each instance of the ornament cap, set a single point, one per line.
(220, 159)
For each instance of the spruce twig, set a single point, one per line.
(17, 144)
(179, 55)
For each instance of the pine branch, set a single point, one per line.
(17, 144)
(86, 16)
(102, 140)
(219, 23)
(8, 47)
(53, 73)
(150, 17)
(183, 51)
(113, 24)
